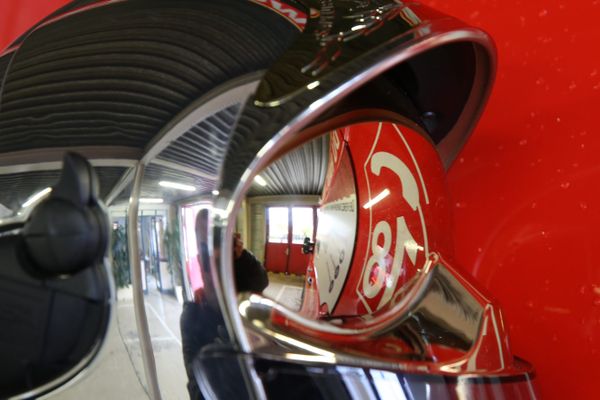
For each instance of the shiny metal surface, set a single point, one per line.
(445, 309)
(447, 312)
(131, 111)
(138, 295)
(280, 128)
(217, 138)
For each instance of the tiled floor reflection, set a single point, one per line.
(119, 373)
(286, 289)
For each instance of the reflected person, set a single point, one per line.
(250, 275)
(201, 322)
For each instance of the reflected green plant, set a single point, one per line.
(120, 257)
(172, 243)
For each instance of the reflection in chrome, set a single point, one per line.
(385, 193)
(387, 384)
(447, 311)
(141, 318)
(332, 35)
(437, 307)
(36, 197)
(357, 382)
(338, 85)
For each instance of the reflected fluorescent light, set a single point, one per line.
(175, 185)
(385, 193)
(388, 386)
(150, 200)
(243, 308)
(308, 358)
(323, 355)
(313, 85)
(36, 197)
(260, 180)
(215, 192)
(357, 28)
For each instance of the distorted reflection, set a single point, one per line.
(161, 267)
(374, 282)
(333, 232)
(338, 222)
(280, 214)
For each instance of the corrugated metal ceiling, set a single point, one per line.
(301, 171)
(17, 188)
(112, 76)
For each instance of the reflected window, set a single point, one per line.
(278, 224)
(302, 224)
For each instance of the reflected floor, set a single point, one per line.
(119, 373)
(286, 289)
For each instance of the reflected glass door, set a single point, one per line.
(303, 221)
(287, 227)
(278, 239)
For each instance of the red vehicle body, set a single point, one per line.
(365, 163)
(523, 188)
(523, 191)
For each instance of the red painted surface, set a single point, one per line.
(526, 191)
(190, 247)
(393, 234)
(276, 257)
(17, 16)
(298, 260)
(490, 355)
(525, 188)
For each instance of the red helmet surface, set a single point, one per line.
(384, 209)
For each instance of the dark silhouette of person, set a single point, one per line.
(250, 275)
(201, 321)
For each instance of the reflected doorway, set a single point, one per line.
(286, 229)
(154, 260)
